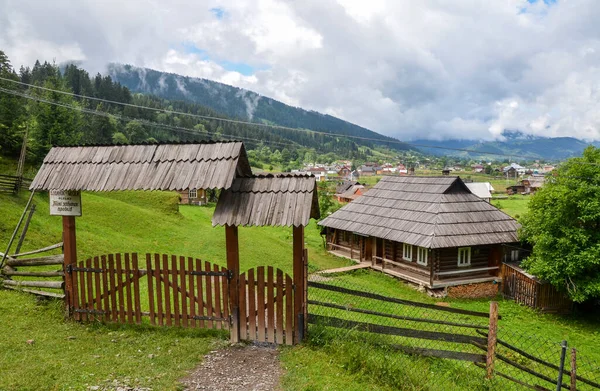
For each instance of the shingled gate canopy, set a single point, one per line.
(281, 200)
(268, 200)
(430, 212)
(207, 165)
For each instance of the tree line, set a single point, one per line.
(67, 119)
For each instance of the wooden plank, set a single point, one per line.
(447, 354)
(251, 306)
(184, 291)
(136, 288)
(128, 281)
(150, 277)
(375, 296)
(41, 250)
(119, 267)
(7, 272)
(38, 293)
(175, 286)
(97, 289)
(41, 261)
(289, 311)
(82, 289)
(225, 286)
(389, 330)
(391, 316)
(279, 308)
(112, 285)
(209, 294)
(159, 294)
(270, 306)
(165, 278)
(260, 300)
(34, 284)
(200, 294)
(233, 264)
(89, 287)
(192, 289)
(243, 307)
(106, 316)
(218, 302)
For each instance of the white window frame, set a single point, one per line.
(192, 193)
(514, 255)
(422, 256)
(464, 257)
(407, 252)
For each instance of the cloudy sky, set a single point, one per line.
(411, 69)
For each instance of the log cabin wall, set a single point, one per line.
(481, 256)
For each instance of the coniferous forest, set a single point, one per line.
(65, 105)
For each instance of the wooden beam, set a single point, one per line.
(233, 264)
(70, 258)
(492, 336)
(41, 250)
(41, 261)
(35, 284)
(299, 282)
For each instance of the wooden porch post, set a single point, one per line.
(299, 282)
(70, 258)
(233, 264)
(369, 249)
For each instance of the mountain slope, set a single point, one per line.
(515, 144)
(236, 102)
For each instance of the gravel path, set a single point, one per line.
(237, 368)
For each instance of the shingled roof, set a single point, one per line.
(431, 212)
(206, 165)
(275, 200)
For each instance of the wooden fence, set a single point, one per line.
(22, 265)
(173, 290)
(528, 290)
(12, 184)
(429, 330)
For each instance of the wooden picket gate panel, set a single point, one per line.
(179, 291)
(266, 306)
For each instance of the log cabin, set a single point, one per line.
(193, 197)
(431, 231)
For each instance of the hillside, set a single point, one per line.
(235, 102)
(515, 144)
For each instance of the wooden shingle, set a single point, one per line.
(432, 212)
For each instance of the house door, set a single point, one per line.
(378, 251)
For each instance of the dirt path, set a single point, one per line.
(238, 368)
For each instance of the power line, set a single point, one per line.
(143, 121)
(389, 140)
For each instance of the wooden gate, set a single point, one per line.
(266, 306)
(171, 290)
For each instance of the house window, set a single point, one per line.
(514, 255)
(422, 256)
(464, 256)
(192, 194)
(407, 252)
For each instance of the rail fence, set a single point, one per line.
(12, 184)
(409, 344)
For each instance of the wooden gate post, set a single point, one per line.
(299, 283)
(492, 339)
(233, 264)
(70, 258)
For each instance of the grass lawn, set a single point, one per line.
(515, 205)
(65, 355)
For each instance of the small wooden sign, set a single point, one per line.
(65, 203)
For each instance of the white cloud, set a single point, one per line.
(412, 69)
